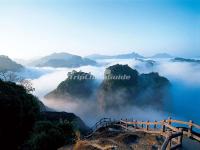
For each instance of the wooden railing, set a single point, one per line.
(104, 122)
(189, 128)
(173, 133)
(169, 139)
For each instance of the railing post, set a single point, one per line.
(180, 138)
(136, 124)
(170, 143)
(169, 120)
(155, 124)
(163, 126)
(126, 123)
(147, 125)
(190, 128)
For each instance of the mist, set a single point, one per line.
(185, 80)
(185, 91)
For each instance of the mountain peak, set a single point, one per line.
(62, 59)
(7, 64)
(162, 55)
(118, 56)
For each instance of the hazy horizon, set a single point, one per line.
(128, 52)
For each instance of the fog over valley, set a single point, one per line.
(183, 76)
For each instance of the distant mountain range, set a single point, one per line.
(127, 56)
(62, 60)
(69, 60)
(6, 64)
(120, 56)
(179, 59)
(162, 55)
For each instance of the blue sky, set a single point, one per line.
(31, 28)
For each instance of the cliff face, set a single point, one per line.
(138, 90)
(113, 91)
(77, 85)
(153, 89)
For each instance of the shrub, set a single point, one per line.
(50, 136)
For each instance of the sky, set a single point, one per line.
(33, 28)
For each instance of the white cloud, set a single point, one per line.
(178, 73)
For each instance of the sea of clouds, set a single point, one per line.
(185, 90)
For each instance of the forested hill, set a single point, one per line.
(25, 125)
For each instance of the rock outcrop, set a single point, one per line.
(122, 86)
(135, 90)
(77, 85)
